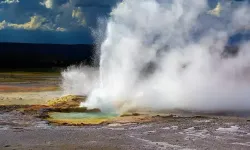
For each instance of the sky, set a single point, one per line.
(55, 21)
(51, 21)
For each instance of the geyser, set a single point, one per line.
(168, 54)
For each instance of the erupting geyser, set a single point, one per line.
(168, 54)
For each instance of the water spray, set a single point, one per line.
(164, 55)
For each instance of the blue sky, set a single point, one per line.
(53, 21)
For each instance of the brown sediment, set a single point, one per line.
(76, 122)
(116, 120)
(9, 108)
(8, 88)
(27, 98)
(28, 76)
(132, 118)
(29, 81)
(68, 103)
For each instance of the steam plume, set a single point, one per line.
(170, 55)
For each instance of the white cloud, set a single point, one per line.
(216, 11)
(66, 14)
(9, 1)
(79, 16)
(69, 14)
(3, 25)
(48, 3)
(60, 29)
(35, 23)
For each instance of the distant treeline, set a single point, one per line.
(25, 55)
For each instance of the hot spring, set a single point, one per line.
(81, 118)
(167, 54)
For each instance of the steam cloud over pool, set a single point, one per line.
(167, 54)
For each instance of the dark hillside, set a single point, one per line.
(21, 55)
(24, 55)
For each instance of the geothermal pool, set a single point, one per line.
(81, 118)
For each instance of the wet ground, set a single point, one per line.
(20, 130)
(22, 88)
(169, 133)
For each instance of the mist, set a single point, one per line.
(165, 55)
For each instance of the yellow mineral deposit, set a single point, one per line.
(76, 122)
(67, 101)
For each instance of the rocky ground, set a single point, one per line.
(21, 129)
(18, 131)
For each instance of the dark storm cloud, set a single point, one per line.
(57, 11)
(25, 36)
(91, 9)
(96, 9)
(54, 21)
(51, 21)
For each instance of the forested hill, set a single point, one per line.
(25, 55)
(21, 55)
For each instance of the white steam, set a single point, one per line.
(79, 80)
(168, 55)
